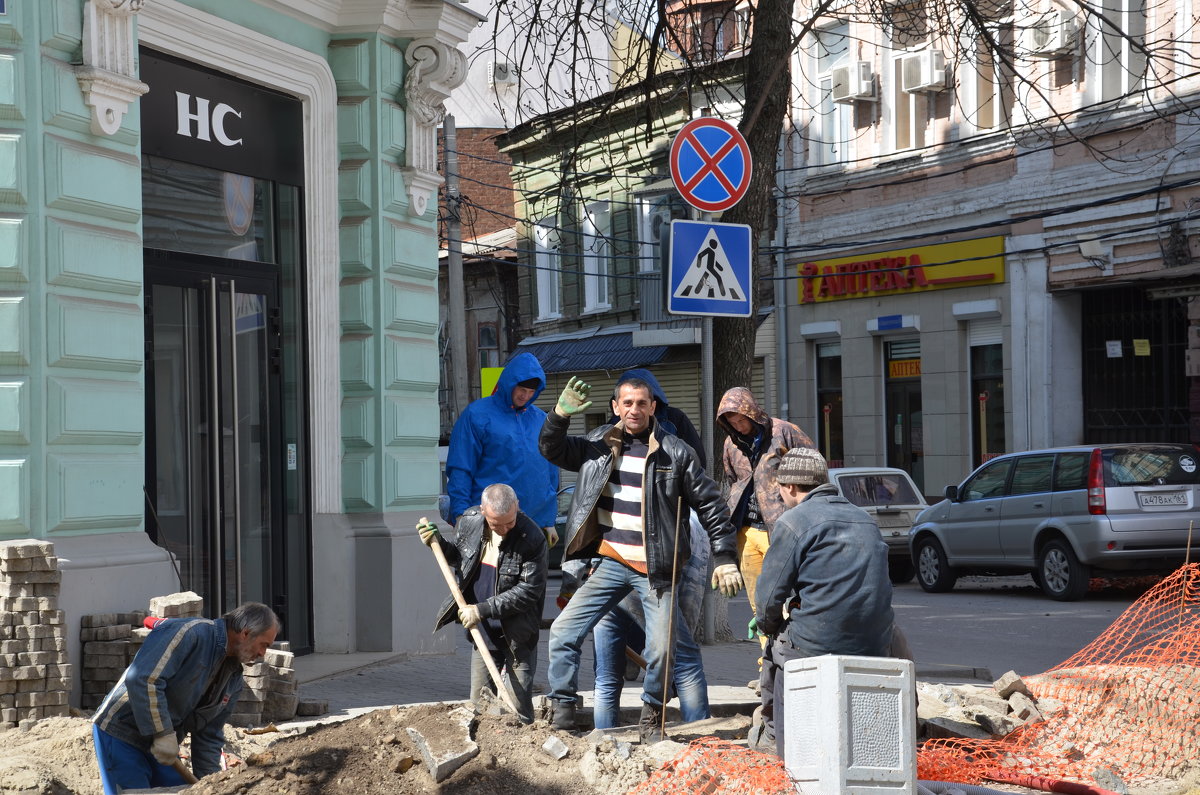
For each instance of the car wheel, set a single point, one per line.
(901, 570)
(1060, 574)
(933, 573)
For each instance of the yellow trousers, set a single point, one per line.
(752, 545)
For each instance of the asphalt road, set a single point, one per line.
(1004, 623)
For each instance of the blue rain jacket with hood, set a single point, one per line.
(671, 419)
(493, 442)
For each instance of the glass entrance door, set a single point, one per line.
(213, 406)
(902, 406)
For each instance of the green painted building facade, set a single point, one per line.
(222, 216)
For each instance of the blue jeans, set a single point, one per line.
(619, 630)
(608, 585)
(128, 767)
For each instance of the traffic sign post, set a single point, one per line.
(709, 269)
(710, 164)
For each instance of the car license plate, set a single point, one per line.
(1156, 499)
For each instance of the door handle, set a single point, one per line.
(235, 422)
(215, 436)
(1039, 505)
(988, 508)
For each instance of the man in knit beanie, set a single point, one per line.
(824, 587)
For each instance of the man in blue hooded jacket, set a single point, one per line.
(495, 440)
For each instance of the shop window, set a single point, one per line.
(597, 257)
(547, 273)
(987, 390)
(829, 402)
(488, 345)
(830, 130)
(1116, 59)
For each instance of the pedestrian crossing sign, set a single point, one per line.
(709, 269)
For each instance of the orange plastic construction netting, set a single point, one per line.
(1126, 704)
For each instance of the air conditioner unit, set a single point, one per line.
(853, 82)
(923, 71)
(1052, 35)
(501, 74)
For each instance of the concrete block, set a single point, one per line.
(311, 707)
(28, 672)
(451, 749)
(279, 659)
(985, 700)
(948, 727)
(7, 618)
(1010, 683)
(8, 700)
(280, 706)
(850, 725)
(25, 548)
(555, 748)
(1023, 708)
(13, 566)
(31, 685)
(997, 724)
(257, 669)
(48, 563)
(281, 686)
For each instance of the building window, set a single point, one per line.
(908, 30)
(597, 257)
(992, 98)
(830, 131)
(488, 345)
(742, 16)
(987, 393)
(654, 229)
(829, 402)
(1116, 59)
(547, 270)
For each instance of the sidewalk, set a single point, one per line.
(360, 682)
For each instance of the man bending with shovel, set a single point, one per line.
(500, 563)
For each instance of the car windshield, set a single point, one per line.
(1151, 466)
(877, 490)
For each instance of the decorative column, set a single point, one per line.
(108, 75)
(434, 70)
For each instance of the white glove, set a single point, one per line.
(469, 616)
(728, 579)
(551, 536)
(165, 749)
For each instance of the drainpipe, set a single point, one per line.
(456, 292)
(781, 291)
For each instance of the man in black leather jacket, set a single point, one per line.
(632, 499)
(500, 558)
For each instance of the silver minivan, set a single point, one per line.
(1062, 513)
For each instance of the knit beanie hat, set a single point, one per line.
(803, 466)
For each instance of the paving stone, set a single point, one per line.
(449, 752)
(310, 707)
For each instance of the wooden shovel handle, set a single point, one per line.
(182, 770)
(476, 635)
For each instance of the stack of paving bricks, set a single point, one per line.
(35, 678)
(270, 693)
(109, 642)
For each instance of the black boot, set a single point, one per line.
(562, 715)
(650, 724)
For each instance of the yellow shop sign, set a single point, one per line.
(966, 263)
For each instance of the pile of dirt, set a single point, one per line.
(375, 753)
(54, 757)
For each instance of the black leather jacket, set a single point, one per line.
(672, 472)
(520, 576)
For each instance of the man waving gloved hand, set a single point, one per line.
(574, 398)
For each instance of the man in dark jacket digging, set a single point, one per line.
(500, 560)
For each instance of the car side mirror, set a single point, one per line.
(951, 493)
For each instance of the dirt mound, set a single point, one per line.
(54, 757)
(375, 754)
